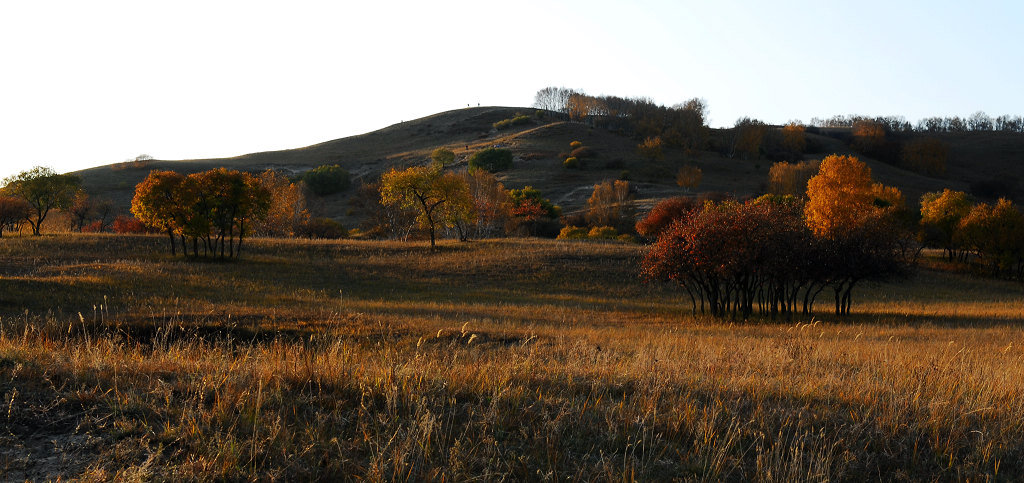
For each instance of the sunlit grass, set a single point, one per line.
(507, 359)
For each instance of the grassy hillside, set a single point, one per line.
(538, 145)
(495, 360)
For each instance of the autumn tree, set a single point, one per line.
(995, 233)
(157, 203)
(611, 204)
(868, 135)
(748, 135)
(793, 137)
(382, 220)
(288, 208)
(665, 213)
(941, 213)
(440, 198)
(842, 195)
(490, 201)
(13, 210)
(652, 148)
(80, 211)
(787, 178)
(532, 211)
(44, 190)
(689, 177)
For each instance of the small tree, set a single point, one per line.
(13, 211)
(443, 156)
(44, 190)
(941, 213)
(441, 198)
(651, 149)
(611, 204)
(689, 177)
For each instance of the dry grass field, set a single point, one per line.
(490, 360)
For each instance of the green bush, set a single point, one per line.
(572, 233)
(602, 233)
(571, 163)
(326, 180)
(491, 159)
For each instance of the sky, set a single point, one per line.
(84, 84)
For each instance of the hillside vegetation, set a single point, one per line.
(540, 144)
(503, 359)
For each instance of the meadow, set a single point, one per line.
(513, 359)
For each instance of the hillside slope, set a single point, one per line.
(541, 145)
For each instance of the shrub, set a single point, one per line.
(321, 228)
(572, 233)
(491, 159)
(575, 144)
(129, 224)
(571, 163)
(515, 121)
(624, 175)
(602, 233)
(326, 180)
(626, 238)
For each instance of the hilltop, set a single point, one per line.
(539, 146)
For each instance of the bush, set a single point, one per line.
(515, 121)
(326, 180)
(575, 144)
(626, 238)
(572, 233)
(321, 228)
(571, 163)
(491, 159)
(624, 175)
(602, 233)
(129, 224)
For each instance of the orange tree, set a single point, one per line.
(441, 198)
(156, 203)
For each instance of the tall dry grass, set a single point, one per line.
(514, 359)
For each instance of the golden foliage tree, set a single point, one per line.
(13, 211)
(786, 178)
(748, 135)
(288, 209)
(440, 198)
(689, 177)
(793, 137)
(652, 148)
(611, 204)
(491, 202)
(941, 213)
(841, 196)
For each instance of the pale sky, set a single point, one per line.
(87, 83)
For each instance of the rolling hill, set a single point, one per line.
(540, 146)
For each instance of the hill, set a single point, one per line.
(989, 162)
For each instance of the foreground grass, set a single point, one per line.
(492, 360)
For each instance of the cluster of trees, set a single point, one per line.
(777, 253)
(212, 211)
(991, 234)
(439, 200)
(682, 125)
(979, 121)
